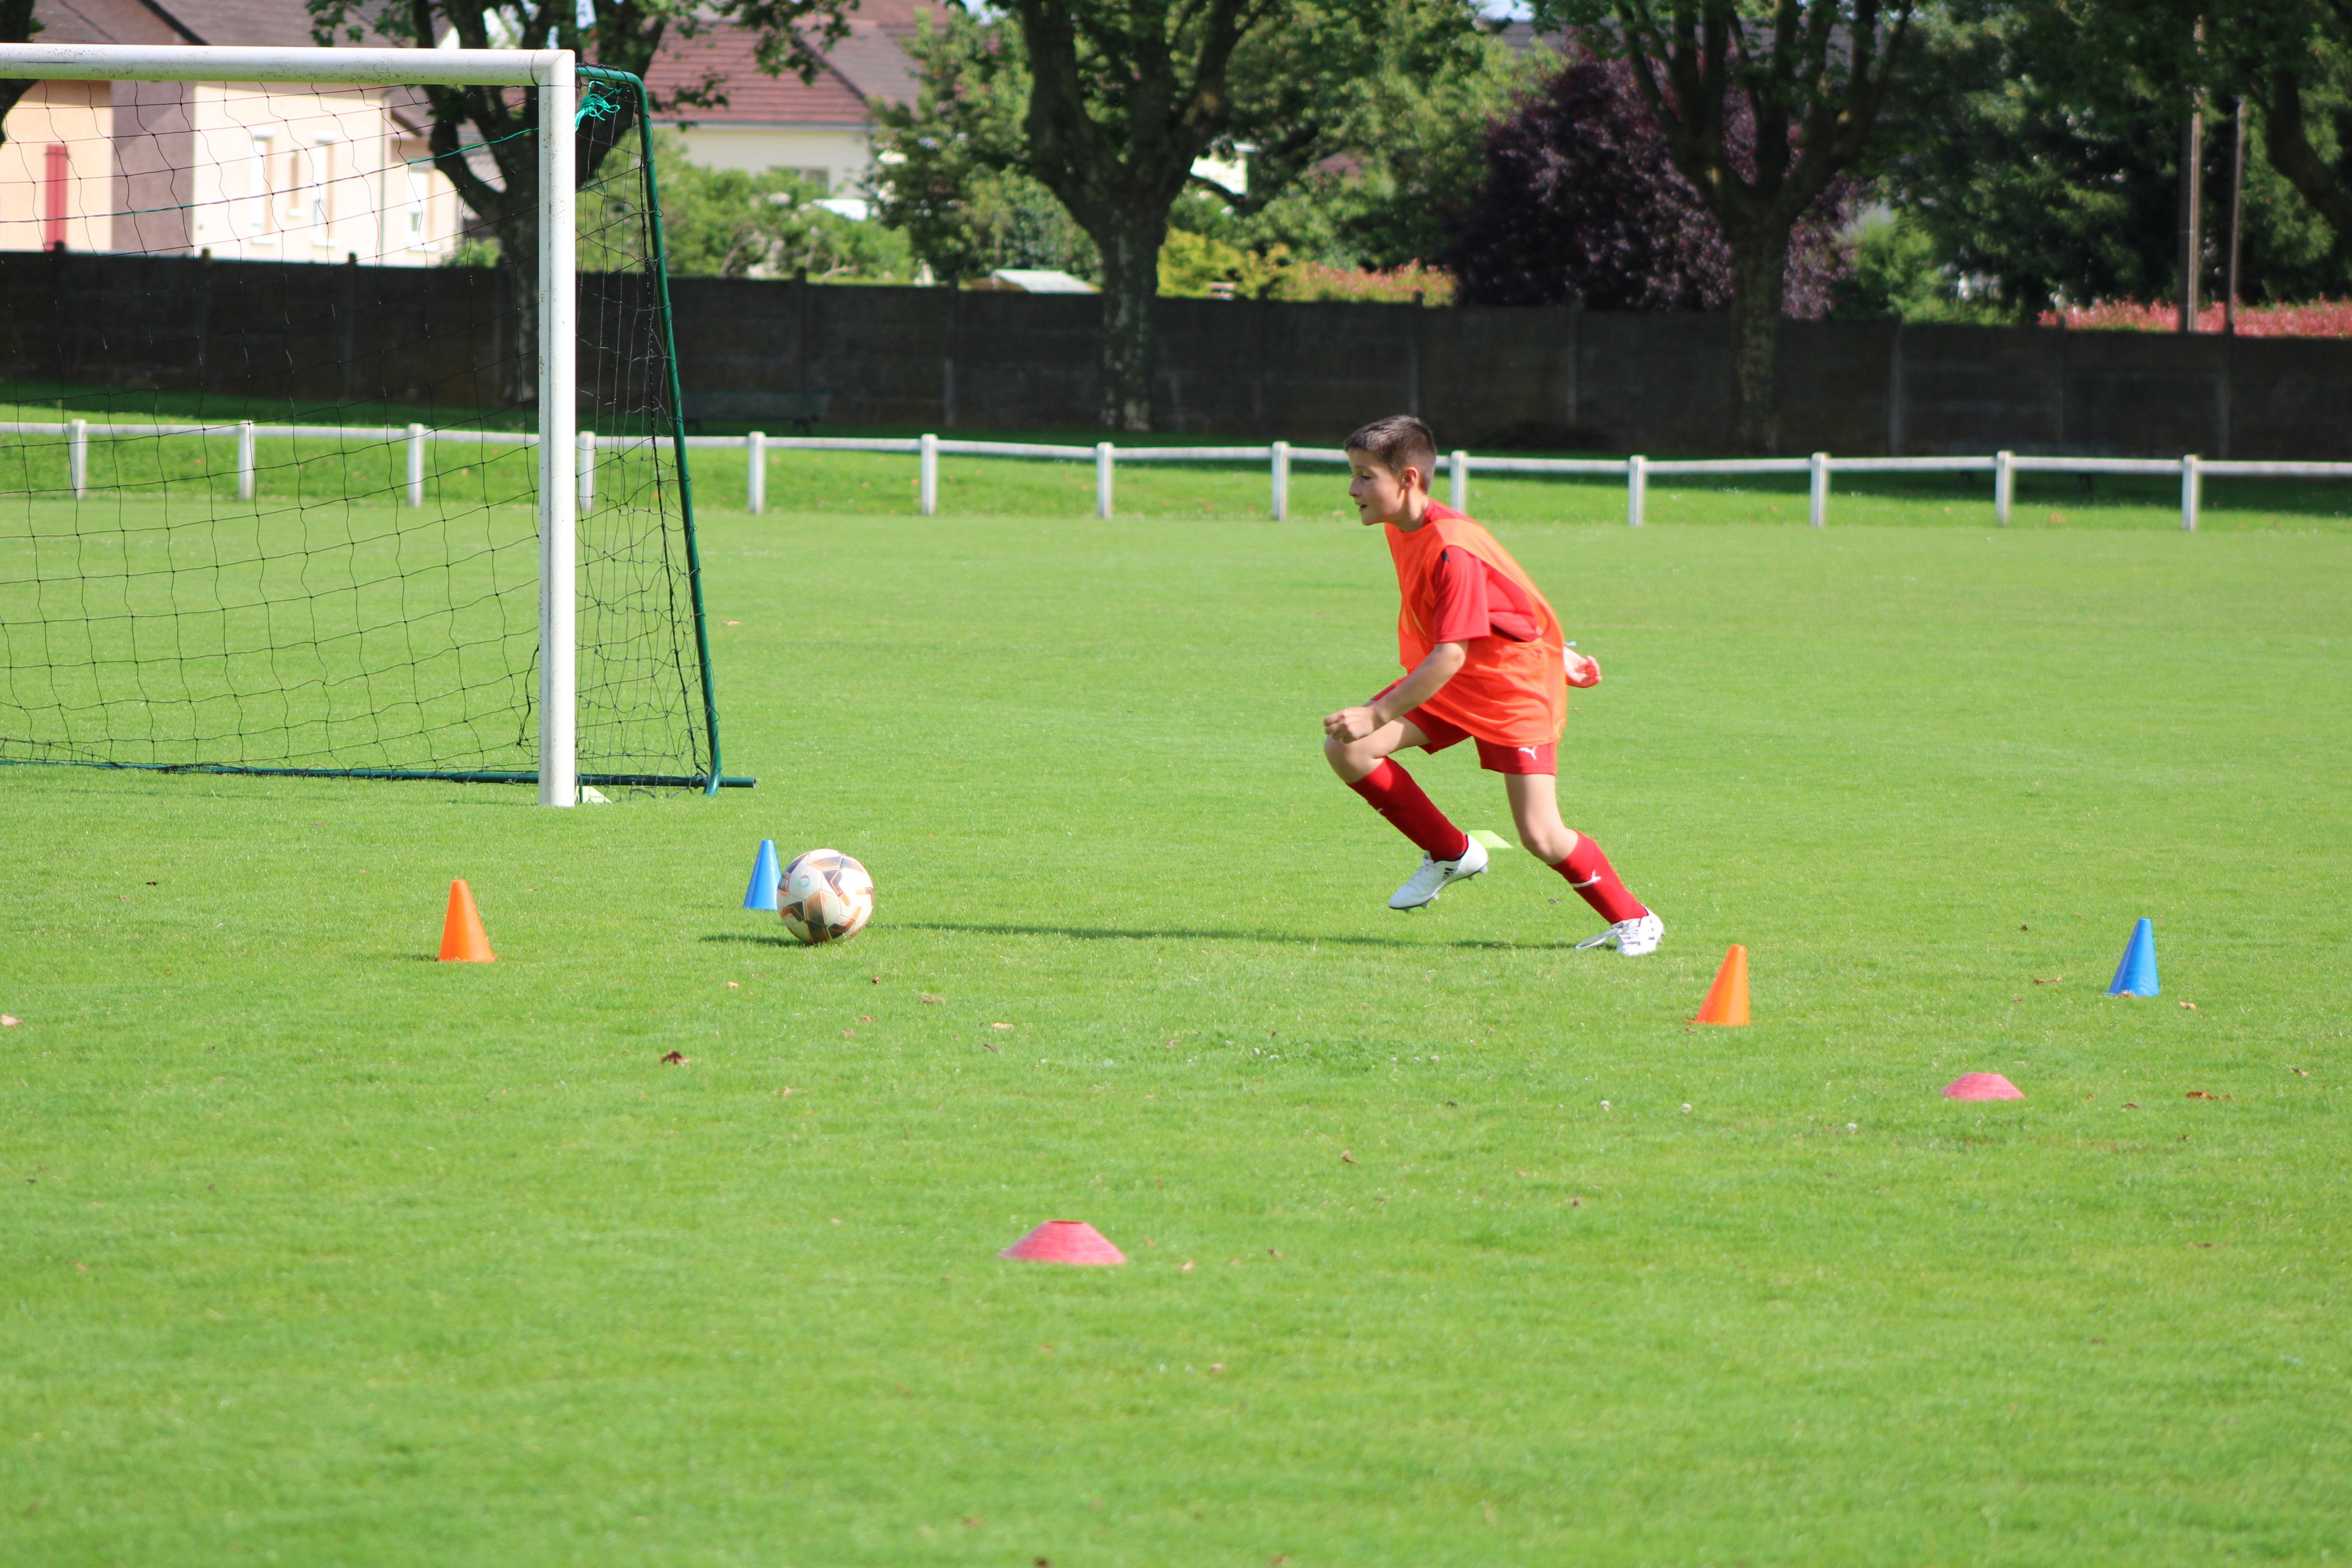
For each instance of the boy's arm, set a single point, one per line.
(1427, 679)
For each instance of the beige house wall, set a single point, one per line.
(250, 172)
(844, 153)
(294, 173)
(79, 116)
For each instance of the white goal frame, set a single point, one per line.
(551, 71)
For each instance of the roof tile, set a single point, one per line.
(868, 64)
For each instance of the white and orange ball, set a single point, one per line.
(825, 896)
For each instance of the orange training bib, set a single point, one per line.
(1512, 693)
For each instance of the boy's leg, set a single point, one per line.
(1448, 855)
(1535, 809)
(1365, 767)
(1352, 760)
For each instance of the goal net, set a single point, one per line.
(299, 473)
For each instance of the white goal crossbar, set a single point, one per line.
(551, 71)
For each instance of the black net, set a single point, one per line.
(268, 463)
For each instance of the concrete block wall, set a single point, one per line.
(1488, 378)
(247, 329)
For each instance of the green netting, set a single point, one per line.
(281, 515)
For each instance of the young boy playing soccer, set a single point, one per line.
(1485, 662)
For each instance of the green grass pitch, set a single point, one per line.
(1450, 1245)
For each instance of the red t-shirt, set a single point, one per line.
(1475, 600)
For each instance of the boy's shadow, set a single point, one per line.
(1112, 934)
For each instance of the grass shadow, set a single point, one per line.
(1118, 933)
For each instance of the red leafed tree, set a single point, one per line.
(1582, 202)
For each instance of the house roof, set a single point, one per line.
(281, 23)
(875, 64)
(209, 22)
(108, 21)
(867, 67)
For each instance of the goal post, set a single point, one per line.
(351, 619)
(559, 779)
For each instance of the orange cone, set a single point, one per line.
(463, 940)
(1726, 999)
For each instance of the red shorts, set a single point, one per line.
(1493, 755)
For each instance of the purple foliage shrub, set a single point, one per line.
(1581, 204)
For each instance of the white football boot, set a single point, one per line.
(1435, 875)
(1631, 938)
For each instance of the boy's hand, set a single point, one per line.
(1583, 669)
(1351, 723)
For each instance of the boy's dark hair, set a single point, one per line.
(1397, 443)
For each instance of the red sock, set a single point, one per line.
(1589, 872)
(1394, 796)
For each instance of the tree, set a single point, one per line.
(1373, 152)
(1365, 130)
(730, 223)
(2040, 171)
(1811, 78)
(2293, 58)
(1124, 96)
(1119, 98)
(1393, 166)
(954, 183)
(504, 122)
(1108, 104)
(2044, 166)
(1581, 201)
(733, 223)
(17, 26)
(1894, 274)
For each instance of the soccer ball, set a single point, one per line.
(825, 896)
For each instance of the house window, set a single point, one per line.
(261, 199)
(821, 178)
(420, 191)
(289, 190)
(317, 194)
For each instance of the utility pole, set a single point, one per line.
(2192, 204)
(2237, 215)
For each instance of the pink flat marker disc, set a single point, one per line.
(1064, 1241)
(1982, 1085)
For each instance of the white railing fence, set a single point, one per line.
(333, 439)
(1636, 472)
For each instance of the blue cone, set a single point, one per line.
(2136, 976)
(766, 873)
